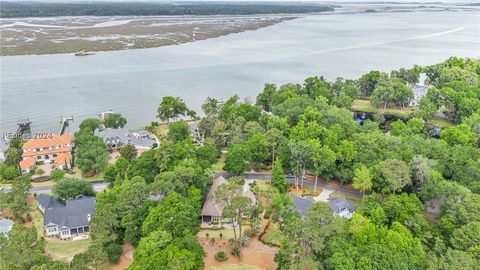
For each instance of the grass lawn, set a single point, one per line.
(161, 131)
(234, 267)
(78, 175)
(441, 122)
(218, 167)
(56, 248)
(367, 106)
(226, 233)
(274, 236)
(357, 200)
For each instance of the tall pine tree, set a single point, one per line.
(278, 177)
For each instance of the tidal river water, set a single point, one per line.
(45, 87)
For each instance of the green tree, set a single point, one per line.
(265, 99)
(368, 81)
(16, 199)
(278, 177)
(178, 131)
(395, 173)
(114, 120)
(145, 166)
(22, 249)
(237, 160)
(13, 156)
(129, 152)
(171, 108)
(176, 214)
(91, 156)
(57, 174)
(91, 124)
(322, 159)
(275, 139)
(362, 180)
(70, 188)
(459, 135)
(8, 172)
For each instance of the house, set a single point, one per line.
(5, 225)
(115, 138)
(341, 207)
(66, 220)
(212, 211)
(55, 149)
(301, 205)
(3, 148)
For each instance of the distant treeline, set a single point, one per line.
(10, 9)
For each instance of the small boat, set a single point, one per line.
(84, 53)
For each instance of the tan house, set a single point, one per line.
(55, 149)
(212, 211)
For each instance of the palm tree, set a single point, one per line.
(362, 180)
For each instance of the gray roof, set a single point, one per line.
(301, 205)
(74, 213)
(49, 202)
(3, 147)
(156, 198)
(5, 225)
(125, 137)
(338, 205)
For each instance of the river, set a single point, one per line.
(45, 87)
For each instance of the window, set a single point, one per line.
(37, 150)
(65, 232)
(216, 219)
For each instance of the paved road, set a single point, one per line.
(98, 186)
(101, 185)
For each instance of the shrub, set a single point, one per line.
(244, 240)
(113, 252)
(236, 251)
(250, 232)
(221, 235)
(57, 174)
(212, 241)
(221, 256)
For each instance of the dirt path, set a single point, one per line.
(256, 253)
(125, 260)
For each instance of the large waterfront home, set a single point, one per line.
(54, 149)
(212, 211)
(66, 220)
(115, 138)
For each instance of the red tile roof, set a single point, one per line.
(27, 163)
(49, 141)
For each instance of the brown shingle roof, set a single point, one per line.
(211, 208)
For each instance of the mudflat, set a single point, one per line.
(22, 36)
